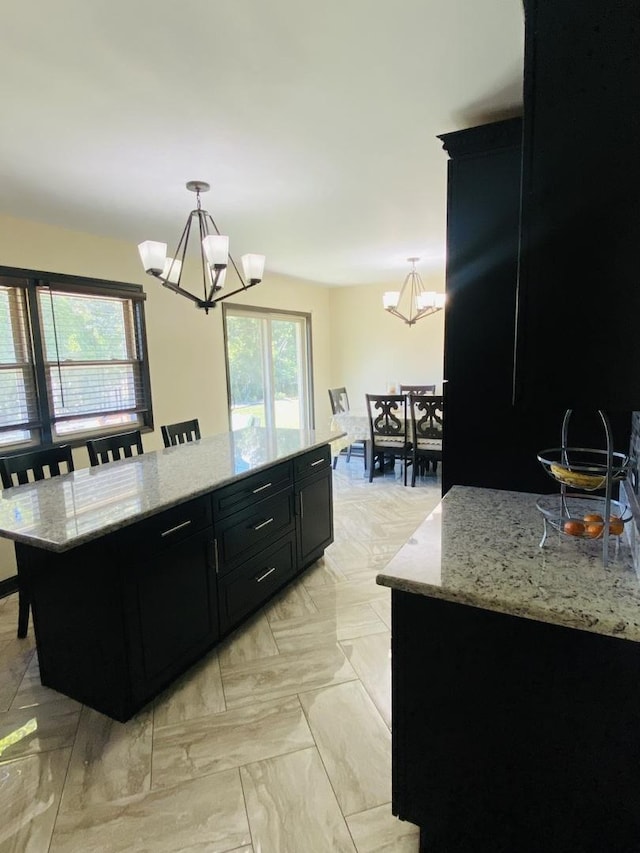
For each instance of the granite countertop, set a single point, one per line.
(480, 547)
(66, 511)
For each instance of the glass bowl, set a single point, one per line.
(582, 468)
(571, 515)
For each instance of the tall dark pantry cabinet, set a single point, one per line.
(488, 441)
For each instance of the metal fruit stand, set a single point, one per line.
(586, 470)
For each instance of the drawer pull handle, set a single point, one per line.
(317, 462)
(177, 527)
(266, 574)
(261, 488)
(263, 524)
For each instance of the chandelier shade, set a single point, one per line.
(214, 258)
(412, 296)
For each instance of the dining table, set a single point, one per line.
(355, 423)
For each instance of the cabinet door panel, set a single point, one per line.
(315, 516)
(172, 601)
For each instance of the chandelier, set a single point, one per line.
(214, 256)
(421, 302)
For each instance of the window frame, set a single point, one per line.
(236, 309)
(34, 281)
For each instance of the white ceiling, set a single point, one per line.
(314, 122)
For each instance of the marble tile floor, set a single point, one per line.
(277, 742)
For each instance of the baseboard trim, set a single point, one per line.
(8, 586)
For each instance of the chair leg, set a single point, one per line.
(335, 462)
(414, 463)
(371, 461)
(23, 614)
(349, 453)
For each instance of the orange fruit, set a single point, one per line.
(573, 527)
(594, 529)
(593, 516)
(616, 525)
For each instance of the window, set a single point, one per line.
(73, 358)
(268, 367)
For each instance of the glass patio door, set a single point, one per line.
(268, 368)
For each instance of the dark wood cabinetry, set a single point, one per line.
(118, 618)
(488, 441)
(578, 299)
(511, 734)
(314, 495)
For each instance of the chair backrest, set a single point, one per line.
(387, 416)
(114, 447)
(27, 467)
(339, 400)
(179, 433)
(417, 389)
(427, 415)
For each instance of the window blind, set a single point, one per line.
(19, 418)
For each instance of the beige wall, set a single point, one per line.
(355, 343)
(371, 348)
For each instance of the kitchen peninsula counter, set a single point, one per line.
(135, 569)
(515, 683)
(67, 511)
(481, 547)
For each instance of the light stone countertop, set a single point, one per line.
(480, 547)
(66, 511)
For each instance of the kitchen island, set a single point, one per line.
(137, 568)
(515, 683)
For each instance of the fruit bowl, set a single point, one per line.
(583, 467)
(582, 516)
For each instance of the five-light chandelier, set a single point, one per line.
(421, 302)
(214, 257)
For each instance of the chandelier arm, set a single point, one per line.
(214, 285)
(177, 289)
(183, 241)
(233, 292)
(206, 270)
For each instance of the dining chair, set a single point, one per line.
(388, 430)
(180, 433)
(427, 423)
(417, 389)
(114, 447)
(340, 404)
(24, 468)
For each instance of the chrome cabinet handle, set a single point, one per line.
(263, 524)
(265, 575)
(317, 462)
(261, 488)
(177, 527)
(301, 506)
(215, 554)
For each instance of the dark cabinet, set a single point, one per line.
(245, 589)
(314, 501)
(119, 618)
(578, 297)
(487, 440)
(173, 612)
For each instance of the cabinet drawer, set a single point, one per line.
(236, 496)
(258, 525)
(312, 462)
(248, 587)
(165, 528)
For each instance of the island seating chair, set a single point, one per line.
(24, 468)
(114, 447)
(388, 431)
(427, 423)
(340, 403)
(417, 389)
(180, 433)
